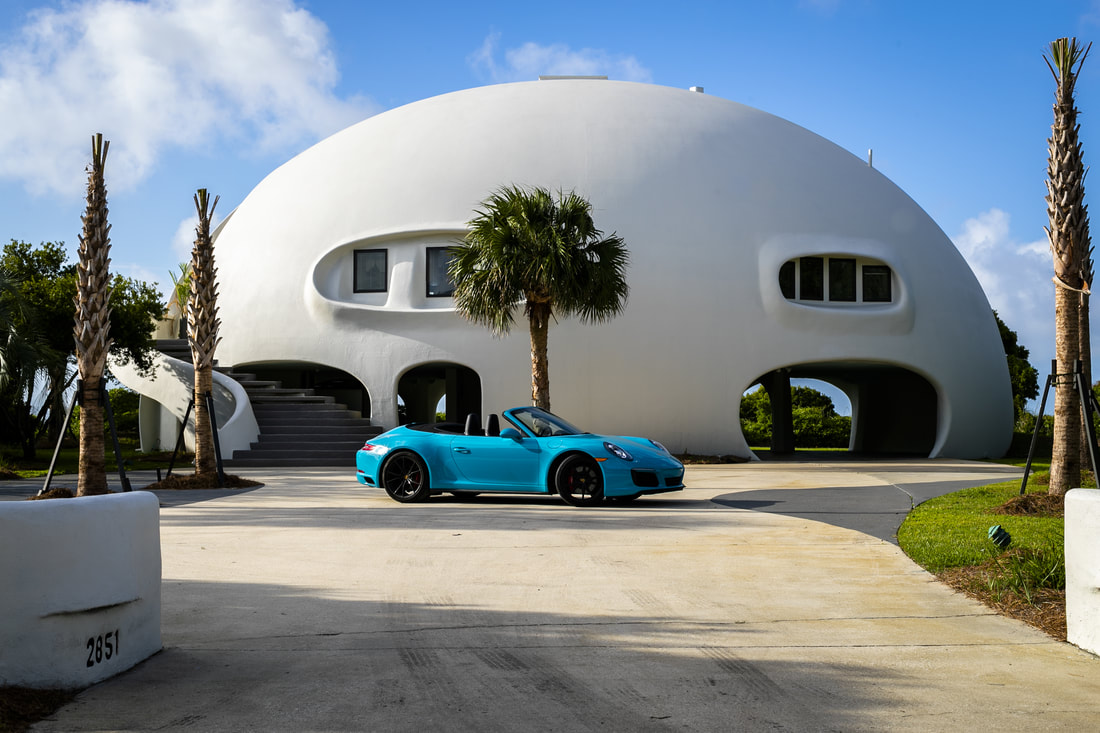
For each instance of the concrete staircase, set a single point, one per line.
(297, 426)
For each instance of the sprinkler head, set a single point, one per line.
(999, 536)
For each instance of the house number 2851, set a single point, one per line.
(102, 648)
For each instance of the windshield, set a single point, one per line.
(541, 423)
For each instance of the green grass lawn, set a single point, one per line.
(11, 459)
(952, 530)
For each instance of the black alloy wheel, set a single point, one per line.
(579, 481)
(405, 477)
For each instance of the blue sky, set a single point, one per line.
(953, 97)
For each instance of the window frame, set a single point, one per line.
(851, 272)
(429, 252)
(355, 285)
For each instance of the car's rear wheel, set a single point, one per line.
(579, 481)
(405, 477)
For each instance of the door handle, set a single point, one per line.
(464, 451)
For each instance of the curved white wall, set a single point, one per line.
(81, 598)
(711, 198)
(164, 404)
(1083, 568)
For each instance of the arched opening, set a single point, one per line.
(424, 389)
(894, 411)
(343, 387)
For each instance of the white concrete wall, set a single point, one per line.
(81, 588)
(1083, 568)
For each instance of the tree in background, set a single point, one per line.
(816, 422)
(181, 292)
(1069, 244)
(1023, 377)
(202, 331)
(529, 246)
(32, 403)
(93, 324)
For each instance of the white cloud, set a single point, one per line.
(159, 74)
(529, 61)
(1016, 277)
(184, 238)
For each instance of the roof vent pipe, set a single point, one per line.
(696, 89)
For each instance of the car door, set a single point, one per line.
(503, 463)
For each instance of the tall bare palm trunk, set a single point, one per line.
(539, 315)
(1068, 235)
(93, 324)
(202, 331)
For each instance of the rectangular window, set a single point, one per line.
(439, 282)
(877, 284)
(370, 271)
(811, 278)
(842, 279)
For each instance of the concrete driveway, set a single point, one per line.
(764, 597)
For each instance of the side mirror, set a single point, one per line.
(511, 434)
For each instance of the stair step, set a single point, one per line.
(298, 398)
(345, 421)
(364, 430)
(291, 463)
(298, 427)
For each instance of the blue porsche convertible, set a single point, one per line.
(536, 452)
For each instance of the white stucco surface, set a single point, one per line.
(164, 405)
(711, 197)
(87, 575)
(1083, 569)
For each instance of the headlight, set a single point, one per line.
(666, 450)
(618, 452)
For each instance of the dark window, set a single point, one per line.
(842, 279)
(786, 279)
(370, 271)
(812, 278)
(439, 282)
(876, 284)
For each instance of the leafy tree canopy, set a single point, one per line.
(1023, 376)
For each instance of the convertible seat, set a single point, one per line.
(492, 425)
(473, 424)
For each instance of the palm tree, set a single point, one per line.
(181, 292)
(1069, 244)
(93, 324)
(544, 250)
(202, 331)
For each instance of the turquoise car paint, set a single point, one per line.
(536, 452)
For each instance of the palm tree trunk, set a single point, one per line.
(539, 315)
(1068, 233)
(1065, 464)
(92, 467)
(202, 333)
(205, 460)
(1085, 351)
(93, 323)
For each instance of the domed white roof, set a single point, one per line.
(712, 198)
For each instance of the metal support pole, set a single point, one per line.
(1038, 424)
(77, 397)
(1086, 415)
(105, 399)
(217, 443)
(179, 437)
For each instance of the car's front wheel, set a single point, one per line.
(405, 477)
(579, 481)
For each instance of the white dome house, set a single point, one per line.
(759, 252)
